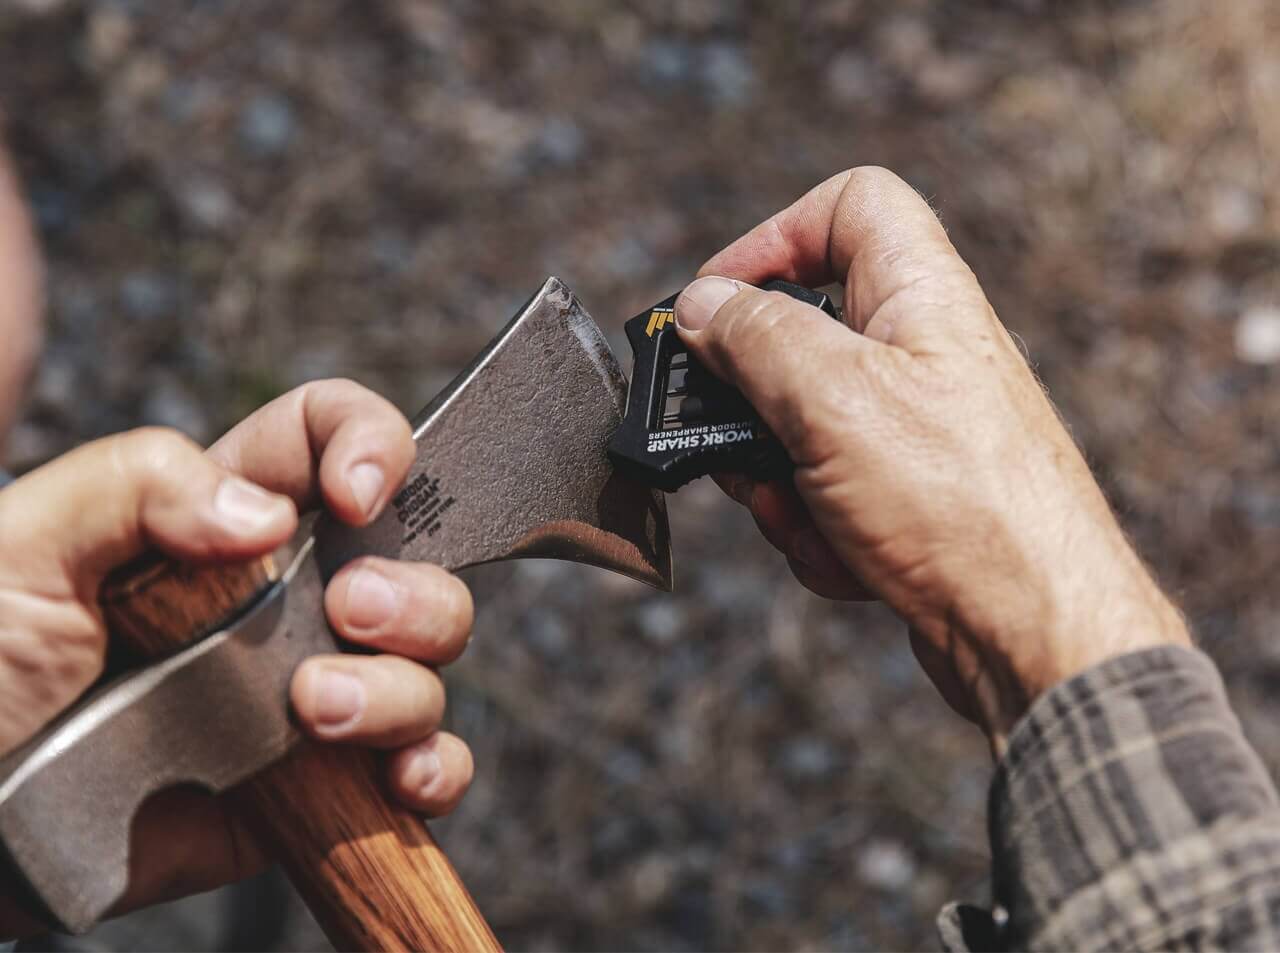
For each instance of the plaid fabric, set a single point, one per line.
(1130, 813)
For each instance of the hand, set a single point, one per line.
(20, 298)
(65, 525)
(931, 469)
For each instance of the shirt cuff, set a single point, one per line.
(1119, 788)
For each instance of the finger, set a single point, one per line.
(432, 775)
(840, 585)
(186, 841)
(736, 486)
(381, 700)
(412, 609)
(785, 522)
(798, 368)
(869, 229)
(119, 495)
(940, 666)
(791, 244)
(329, 439)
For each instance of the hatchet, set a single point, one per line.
(510, 463)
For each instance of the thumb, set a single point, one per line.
(105, 502)
(67, 524)
(783, 355)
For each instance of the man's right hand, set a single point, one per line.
(931, 469)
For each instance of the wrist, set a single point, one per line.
(1112, 621)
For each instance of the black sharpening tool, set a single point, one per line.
(683, 422)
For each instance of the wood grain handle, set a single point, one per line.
(370, 871)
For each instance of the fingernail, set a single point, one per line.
(811, 549)
(366, 481)
(245, 507)
(339, 699)
(699, 302)
(424, 768)
(372, 599)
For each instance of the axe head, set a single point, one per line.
(512, 460)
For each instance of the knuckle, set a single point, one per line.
(750, 321)
(152, 450)
(332, 386)
(54, 666)
(872, 179)
(421, 688)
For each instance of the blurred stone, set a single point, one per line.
(1258, 506)
(950, 80)
(1205, 294)
(39, 7)
(1257, 335)
(391, 250)
(766, 895)
(622, 34)
(170, 404)
(540, 572)
(897, 665)
(76, 303)
(144, 77)
(547, 632)
(54, 207)
(727, 72)
(206, 202)
(668, 60)
(109, 33)
(652, 879)
(886, 865)
(626, 765)
(267, 124)
(30, 445)
(55, 384)
(660, 620)
(1234, 211)
(615, 836)
(795, 854)
(560, 141)
(808, 758)
(148, 295)
(682, 744)
(850, 77)
(626, 256)
(187, 100)
(906, 41)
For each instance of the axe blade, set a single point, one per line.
(511, 461)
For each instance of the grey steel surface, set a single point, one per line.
(511, 463)
(511, 460)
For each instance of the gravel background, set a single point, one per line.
(239, 196)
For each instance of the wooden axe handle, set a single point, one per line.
(371, 873)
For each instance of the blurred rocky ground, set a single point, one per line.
(239, 196)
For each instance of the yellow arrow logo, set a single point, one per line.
(659, 318)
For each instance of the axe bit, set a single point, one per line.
(511, 463)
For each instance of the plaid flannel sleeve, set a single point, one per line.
(1129, 812)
